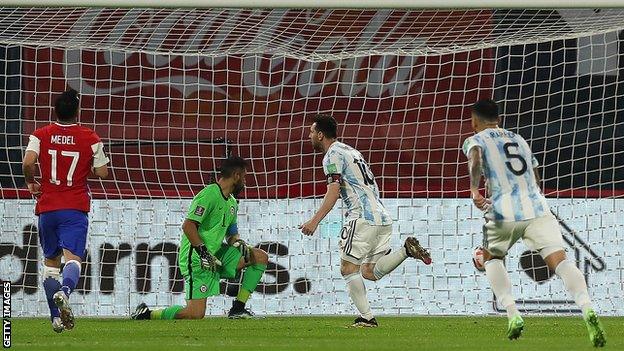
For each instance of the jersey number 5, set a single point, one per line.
(516, 156)
(72, 168)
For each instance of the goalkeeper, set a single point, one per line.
(204, 258)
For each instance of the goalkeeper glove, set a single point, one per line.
(244, 248)
(208, 261)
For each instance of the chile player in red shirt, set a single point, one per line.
(67, 153)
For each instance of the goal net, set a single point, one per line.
(174, 91)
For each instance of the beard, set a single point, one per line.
(237, 189)
(318, 147)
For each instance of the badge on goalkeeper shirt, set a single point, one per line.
(199, 211)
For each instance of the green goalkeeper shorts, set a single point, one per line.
(202, 283)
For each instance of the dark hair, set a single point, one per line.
(66, 106)
(231, 165)
(327, 125)
(486, 110)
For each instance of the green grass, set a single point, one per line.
(313, 333)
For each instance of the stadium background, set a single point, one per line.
(158, 113)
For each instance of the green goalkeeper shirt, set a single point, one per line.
(216, 216)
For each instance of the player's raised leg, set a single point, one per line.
(376, 268)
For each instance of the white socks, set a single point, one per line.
(389, 262)
(501, 285)
(572, 277)
(357, 292)
(574, 282)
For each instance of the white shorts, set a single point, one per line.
(361, 242)
(538, 234)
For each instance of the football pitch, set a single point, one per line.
(313, 333)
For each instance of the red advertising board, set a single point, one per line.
(161, 115)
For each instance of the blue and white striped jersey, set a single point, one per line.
(508, 168)
(358, 189)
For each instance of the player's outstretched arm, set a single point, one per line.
(475, 172)
(29, 167)
(331, 196)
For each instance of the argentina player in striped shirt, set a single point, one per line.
(365, 238)
(516, 208)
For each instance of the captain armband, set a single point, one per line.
(334, 178)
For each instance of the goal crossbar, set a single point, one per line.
(344, 4)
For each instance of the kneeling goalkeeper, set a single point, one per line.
(204, 258)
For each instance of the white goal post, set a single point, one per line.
(173, 90)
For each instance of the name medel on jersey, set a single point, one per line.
(358, 189)
(66, 153)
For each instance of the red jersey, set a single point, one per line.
(66, 155)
